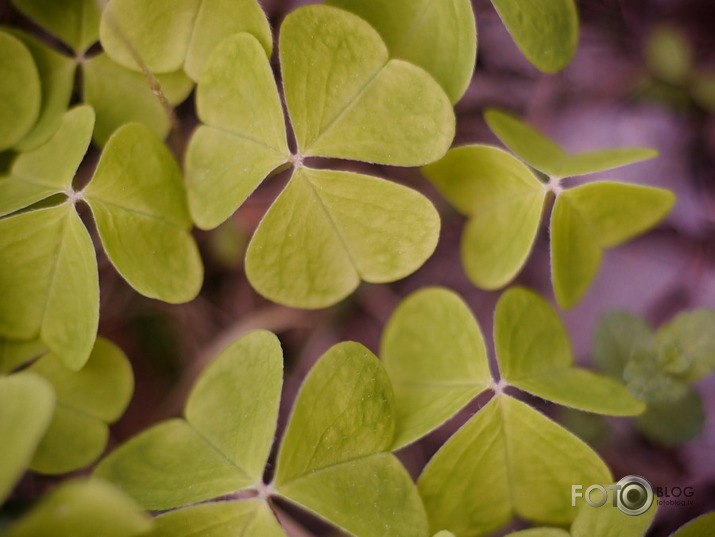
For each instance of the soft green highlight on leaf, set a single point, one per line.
(234, 404)
(26, 405)
(545, 155)
(703, 525)
(83, 508)
(358, 420)
(20, 92)
(545, 32)
(56, 73)
(87, 401)
(668, 55)
(49, 169)
(674, 421)
(591, 217)
(224, 443)
(249, 518)
(348, 100)
(618, 337)
(534, 354)
(425, 33)
(76, 22)
(15, 353)
(434, 354)
(372, 495)
(169, 35)
(139, 204)
(503, 200)
(119, 95)
(329, 229)
(610, 520)
(243, 137)
(505, 441)
(50, 290)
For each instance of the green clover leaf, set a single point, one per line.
(346, 99)
(545, 32)
(83, 508)
(334, 459)
(504, 201)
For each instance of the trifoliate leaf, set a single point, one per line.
(87, 401)
(703, 525)
(591, 217)
(85, 508)
(249, 518)
(545, 32)
(333, 459)
(609, 520)
(347, 99)
(50, 168)
(425, 33)
(618, 337)
(330, 229)
(26, 405)
(223, 444)
(20, 92)
(475, 483)
(76, 22)
(56, 73)
(674, 421)
(545, 155)
(534, 354)
(14, 353)
(504, 201)
(169, 35)
(50, 289)
(243, 137)
(435, 356)
(687, 345)
(119, 95)
(139, 204)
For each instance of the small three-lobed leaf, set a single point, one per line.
(504, 201)
(346, 98)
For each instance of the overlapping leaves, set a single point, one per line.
(435, 356)
(136, 195)
(334, 459)
(119, 95)
(56, 420)
(659, 368)
(504, 201)
(346, 99)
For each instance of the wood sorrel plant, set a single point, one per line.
(373, 81)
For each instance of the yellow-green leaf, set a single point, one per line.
(534, 354)
(503, 200)
(329, 229)
(475, 482)
(48, 281)
(138, 200)
(169, 35)
(88, 400)
(425, 33)
(26, 405)
(243, 137)
(435, 356)
(698, 527)
(20, 92)
(50, 168)
(347, 99)
(545, 32)
(591, 217)
(16, 352)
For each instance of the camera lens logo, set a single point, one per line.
(633, 495)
